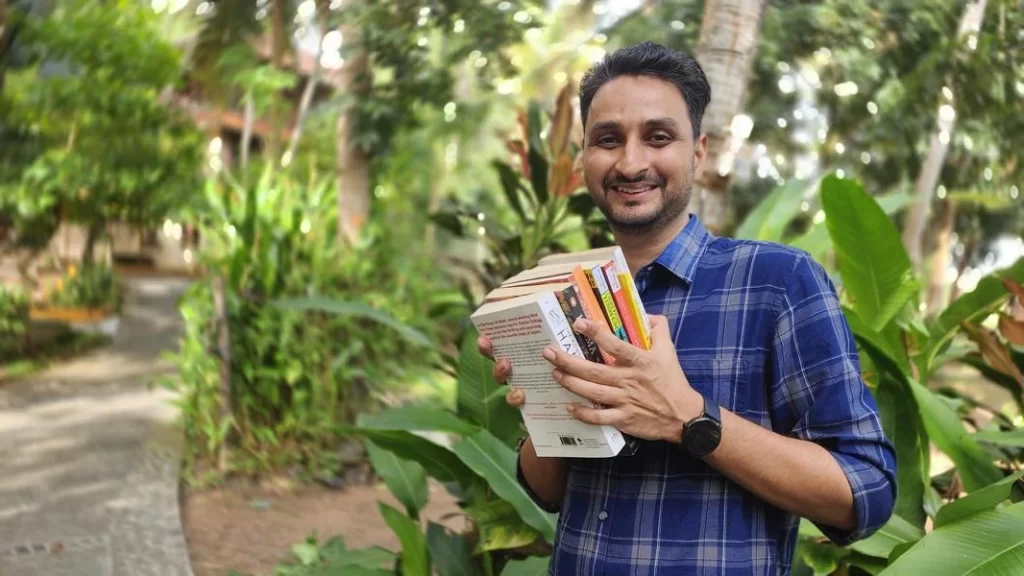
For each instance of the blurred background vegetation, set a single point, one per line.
(345, 179)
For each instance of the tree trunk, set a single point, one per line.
(224, 351)
(728, 40)
(247, 121)
(94, 233)
(928, 175)
(940, 256)
(310, 88)
(352, 163)
(278, 48)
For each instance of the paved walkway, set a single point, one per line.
(89, 456)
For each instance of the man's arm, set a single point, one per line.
(828, 459)
(825, 458)
(544, 478)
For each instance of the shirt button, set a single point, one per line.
(602, 515)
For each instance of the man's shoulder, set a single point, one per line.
(764, 262)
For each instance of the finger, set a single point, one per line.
(607, 395)
(516, 398)
(580, 367)
(623, 352)
(483, 343)
(598, 416)
(502, 370)
(660, 331)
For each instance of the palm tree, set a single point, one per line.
(728, 41)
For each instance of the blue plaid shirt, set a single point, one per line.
(759, 330)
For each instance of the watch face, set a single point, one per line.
(702, 437)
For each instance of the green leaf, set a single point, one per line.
(768, 220)
(438, 461)
(410, 417)
(476, 396)
(887, 341)
(306, 552)
(415, 557)
(902, 424)
(405, 478)
(997, 377)
(895, 532)
(538, 163)
(450, 553)
(535, 566)
(496, 462)
(358, 310)
(877, 275)
(510, 185)
(337, 555)
(978, 501)
(1010, 438)
(500, 526)
(990, 542)
(817, 242)
(948, 433)
(972, 307)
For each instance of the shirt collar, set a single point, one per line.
(683, 253)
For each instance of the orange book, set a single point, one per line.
(591, 307)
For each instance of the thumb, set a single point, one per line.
(660, 333)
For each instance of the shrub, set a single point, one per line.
(13, 323)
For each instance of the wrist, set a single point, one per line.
(689, 406)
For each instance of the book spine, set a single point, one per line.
(622, 305)
(590, 304)
(573, 308)
(597, 282)
(644, 324)
(635, 310)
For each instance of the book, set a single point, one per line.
(519, 329)
(536, 308)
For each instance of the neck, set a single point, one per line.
(641, 248)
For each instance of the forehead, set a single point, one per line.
(636, 99)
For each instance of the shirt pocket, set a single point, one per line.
(723, 379)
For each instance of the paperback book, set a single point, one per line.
(537, 308)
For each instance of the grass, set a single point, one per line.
(63, 346)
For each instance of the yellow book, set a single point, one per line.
(636, 309)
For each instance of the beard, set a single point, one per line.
(643, 217)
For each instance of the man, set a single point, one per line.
(749, 407)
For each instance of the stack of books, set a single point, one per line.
(537, 308)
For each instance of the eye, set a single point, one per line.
(660, 138)
(607, 140)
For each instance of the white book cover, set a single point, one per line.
(520, 329)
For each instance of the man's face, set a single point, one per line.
(639, 156)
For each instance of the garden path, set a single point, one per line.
(90, 453)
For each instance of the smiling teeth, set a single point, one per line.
(633, 189)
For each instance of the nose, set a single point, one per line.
(632, 161)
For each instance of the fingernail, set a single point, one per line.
(549, 354)
(582, 324)
(570, 408)
(557, 374)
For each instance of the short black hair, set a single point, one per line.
(651, 59)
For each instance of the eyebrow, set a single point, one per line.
(663, 123)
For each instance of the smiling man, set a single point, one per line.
(749, 406)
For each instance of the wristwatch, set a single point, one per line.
(702, 434)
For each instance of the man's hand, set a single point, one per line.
(644, 393)
(502, 371)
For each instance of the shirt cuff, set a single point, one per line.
(545, 506)
(873, 499)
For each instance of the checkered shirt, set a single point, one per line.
(759, 330)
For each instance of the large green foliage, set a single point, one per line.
(92, 140)
(299, 368)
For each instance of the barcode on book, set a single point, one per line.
(569, 440)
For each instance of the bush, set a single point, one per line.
(296, 374)
(13, 323)
(92, 286)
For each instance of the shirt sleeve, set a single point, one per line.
(818, 395)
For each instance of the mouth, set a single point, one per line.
(634, 189)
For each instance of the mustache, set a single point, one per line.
(642, 178)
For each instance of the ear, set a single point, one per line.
(700, 154)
